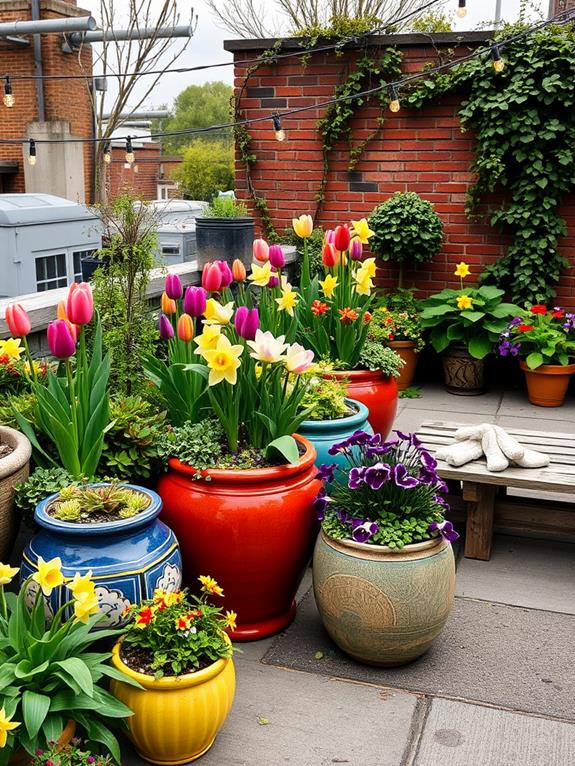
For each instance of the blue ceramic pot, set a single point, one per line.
(325, 433)
(128, 558)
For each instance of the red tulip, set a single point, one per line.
(211, 277)
(185, 328)
(61, 339)
(80, 306)
(341, 238)
(17, 320)
(328, 256)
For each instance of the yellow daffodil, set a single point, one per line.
(369, 266)
(464, 302)
(261, 275)
(7, 573)
(363, 282)
(35, 367)
(231, 620)
(462, 270)
(49, 574)
(223, 362)
(328, 285)
(85, 605)
(258, 370)
(362, 231)
(209, 585)
(11, 348)
(81, 584)
(6, 725)
(288, 300)
(266, 348)
(215, 313)
(208, 339)
(303, 226)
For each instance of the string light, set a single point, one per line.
(394, 104)
(130, 156)
(107, 153)
(8, 96)
(32, 152)
(280, 132)
(462, 10)
(498, 62)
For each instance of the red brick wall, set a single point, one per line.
(422, 151)
(143, 176)
(64, 99)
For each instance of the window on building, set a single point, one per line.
(77, 258)
(51, 272)
(170, 250)
(168, 190)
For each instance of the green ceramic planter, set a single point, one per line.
(383, 607)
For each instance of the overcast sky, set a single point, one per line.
(207, 44)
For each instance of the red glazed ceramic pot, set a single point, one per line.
(253, 530)
(379, 394)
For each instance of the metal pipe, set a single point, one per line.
(38, 68)
(497, 13)
(76, 25)
(147, 33)
(152, 114)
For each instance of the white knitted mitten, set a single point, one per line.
(496, 460)
(508, 445)
(532, 459)
(460, 453)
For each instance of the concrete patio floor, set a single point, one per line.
(312, 718)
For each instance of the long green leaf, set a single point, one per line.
(77, 670)
(34, 709)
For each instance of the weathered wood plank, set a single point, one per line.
(480, 502)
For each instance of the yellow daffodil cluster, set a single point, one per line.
(289, 299)
(464, 302)
(462, 270)
(261, 275)
(11, 348)
(363, 277)
(49, 576)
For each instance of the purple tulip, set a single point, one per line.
(247, 322)
(273, 281)
(355, 250)
(165, 327)
(277, 257)
(402, 478)
(195, 301)
(356, 477)
(326, 472)
(376, 475)
(363, 531)
(226, 272)
(445, 529)
(174, 289)
(61, 339)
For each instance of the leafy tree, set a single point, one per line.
(207, 167)
(199, 106)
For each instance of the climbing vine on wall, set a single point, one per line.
(524, 124)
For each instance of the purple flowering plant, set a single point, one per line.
(388, 492)
(72, 754)
(540, 335)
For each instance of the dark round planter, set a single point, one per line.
(464, 375)
(224, 239)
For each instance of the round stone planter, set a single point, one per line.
(325, 433)
(383, 607)
(14, 468)
(463, 374)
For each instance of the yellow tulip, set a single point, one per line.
(288, 300)
(11, 348)
(6, 725)
(209, 338)
(261, 275)
(362, 230)
(215, 313)
(223, 362)
(328, 285)
(464, 302)
(7, 573)
(49, 574)
(303, 226)
(462, 270)
(85, 605)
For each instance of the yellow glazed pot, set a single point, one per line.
(176, 719)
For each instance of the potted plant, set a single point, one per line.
(72, 754)
(239, 486)
(383, 567)
(15, 452)
(113, 532)
(407, 230)
(465, 325)
(544, 341)
(52, 676)
(225, 231)
(176, 651)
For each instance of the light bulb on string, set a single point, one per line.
(279, 131)
(461, 10)
(130, 156)
(8, 99)
(394, 104)
(32, 152)
(107, 153)
(498, 62)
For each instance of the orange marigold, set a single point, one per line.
(318, 308)
(347, 315)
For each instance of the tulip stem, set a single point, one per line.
(72, 393)
(30, 360)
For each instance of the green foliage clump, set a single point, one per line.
(432, 22)
(198, 106)
(379, 358)
(207, 168)
(326, 399)
(387, 326)
(89, 504)
(42, 483)
(24, 403)
(197, 444)
(226, 207)
(340, 27)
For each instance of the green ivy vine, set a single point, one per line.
(524, 127)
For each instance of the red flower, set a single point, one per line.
(367, 317)
(318, 308)
(341, 238)
(348, 315)
(144, 617)
(391, 337)
(559, 314)
(4, 359)
(525, 327)
(389, 320)
(538, 309)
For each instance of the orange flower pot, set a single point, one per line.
(253, 530)
(377, 391)
(406, 350)
(547, 385)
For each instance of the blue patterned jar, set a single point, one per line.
(325, 433)
(128, 558)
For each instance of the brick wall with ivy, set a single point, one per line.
(415, 150)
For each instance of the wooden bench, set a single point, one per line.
(481, 488)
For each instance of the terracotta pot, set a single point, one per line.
(20, 756)
(381, 606)
(406, 350)
(547, 385)
(377, 391)
(252, 530)
(464, 375)
(13, 469)
(176, 719)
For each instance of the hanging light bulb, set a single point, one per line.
(462, 10)
(107, 153)
(32, 152)
(8, 99)
(394, 104)
(130, 156)
(498, 62)
(279, 131)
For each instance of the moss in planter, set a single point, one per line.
(326, 399)
(92, 505)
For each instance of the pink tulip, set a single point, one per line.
(80, 306)
(328, 236)
(247, 321)
(195, 301)
(211, 278)
(174, 289)
(17, 320)
(61, 339)
(165, 327)
(226, 272)
(261, 250)
(276, 256)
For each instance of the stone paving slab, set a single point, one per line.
(538, 422)
(437, 398)
(512, 657)
(311, 721)
(457, 734)
(522, 572)
(410, 419)
(516, 404)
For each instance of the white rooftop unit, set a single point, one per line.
(43, 240)
(176, 229)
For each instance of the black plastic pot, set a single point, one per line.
(224, 239)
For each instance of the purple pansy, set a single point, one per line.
(402, 478)
(343, 516)
(428, 460)
(441, 501)
(376, 475)
(320, 504)
(363, 531)
(338, 447)
(445, 529)
(326, 472)
(515, 321)
(356, 477)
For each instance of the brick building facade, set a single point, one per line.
(422, 151)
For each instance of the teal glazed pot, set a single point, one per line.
(380, 606)
(325, 433)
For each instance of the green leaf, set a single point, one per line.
(79, 673)
(285, 447)
(34, 709)
(473, 316)
(479, 346)
(534, 360)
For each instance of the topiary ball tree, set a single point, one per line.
(406, 229)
